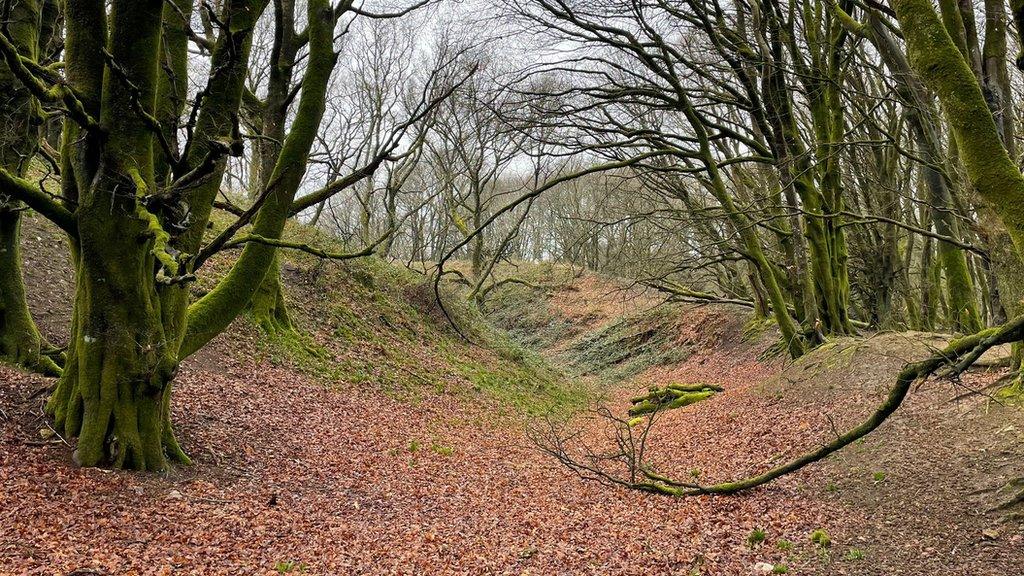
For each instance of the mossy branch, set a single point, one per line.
(302, 247)
(31, 74)
(39, 200)
(671, 397)
(213, 312)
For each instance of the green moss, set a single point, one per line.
(161, 240)
(525, 314)
(527, 389)
(821, 538)
(684, 399)
(935, 56)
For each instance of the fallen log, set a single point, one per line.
(670, 397)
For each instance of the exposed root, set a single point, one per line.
(1015, 489)
(1014, 391)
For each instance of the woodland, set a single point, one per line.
(511, 287)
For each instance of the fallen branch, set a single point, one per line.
(671, 397)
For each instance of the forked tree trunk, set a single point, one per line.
(132, 322)
(268, 308)
(114, 395)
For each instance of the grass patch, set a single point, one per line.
(629, 345)
(854, 555)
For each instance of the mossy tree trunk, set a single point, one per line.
(131, 328)
(925, 127)
(20, 341)
(792, 336)
(936, 57)
(120, 360)
(987, 69)
(114, 396)
(779, 115)
(269, 308)
(825, 281)
(213, 312)
(822, 76)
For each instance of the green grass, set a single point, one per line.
(290, 567)
(525, 388)
(441, 449)
(854, 555)
(629, 345)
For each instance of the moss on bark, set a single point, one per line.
(20, 341)
(935, 56)
(214, 311)
(114, 395)
(268, 306)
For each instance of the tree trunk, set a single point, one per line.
(268, 308)
(20, 341)
(925, 127)
(991, 171)
(115, 393)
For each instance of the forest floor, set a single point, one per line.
(304, 468)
